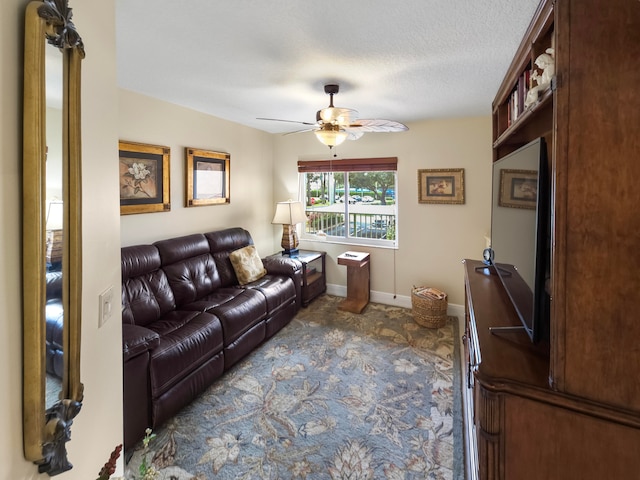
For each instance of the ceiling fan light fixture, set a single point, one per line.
(331, 136)
(329, 114)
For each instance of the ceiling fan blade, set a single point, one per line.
(353, 135)
(377, 125)
(299, 131)
(288, 121)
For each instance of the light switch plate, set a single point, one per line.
(106, 306)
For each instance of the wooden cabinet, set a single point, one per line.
(518, 426)
(571, 409)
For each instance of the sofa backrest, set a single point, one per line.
(146, 294)
(221, 244)
(54, 286)
(189, 266)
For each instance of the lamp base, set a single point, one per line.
(291, 253)
(289, 239)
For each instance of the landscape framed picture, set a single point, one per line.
(441, 185)
(144, 178)
(518, 188)
(208, 177)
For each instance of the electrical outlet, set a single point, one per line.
(106, 306)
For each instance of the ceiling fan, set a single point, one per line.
(334, 125)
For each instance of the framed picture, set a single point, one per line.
(207, 178)
(144, 178)
(441, 185)
(518, 188)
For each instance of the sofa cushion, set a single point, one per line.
(192, 278)
(241, 310)
(139, 259)
(54, 286)
(173, 250)
(221, 244)
(279, 291)
(146, 298)
(187, 339)
(189, 267)
(247, 264)
(54, 314)
(146, 294)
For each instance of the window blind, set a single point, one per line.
(349, 165)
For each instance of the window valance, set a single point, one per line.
(349, 165)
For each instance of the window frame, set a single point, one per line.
(346, 166)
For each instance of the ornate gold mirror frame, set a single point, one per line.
(46, 430)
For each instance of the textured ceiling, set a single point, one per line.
(404, 60)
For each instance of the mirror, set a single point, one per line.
(54, 227)
(52, 233)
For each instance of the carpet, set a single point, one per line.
(333, 395)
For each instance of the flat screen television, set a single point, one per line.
(520, 240)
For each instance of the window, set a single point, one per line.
(351, 200)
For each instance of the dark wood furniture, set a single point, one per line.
(520, 428)
(571, 410)
(314, 281)
(358, 279)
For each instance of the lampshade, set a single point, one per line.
(54, 215)
(330, 135)
(55, 237)
(289, 213)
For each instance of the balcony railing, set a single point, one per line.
(361, 225)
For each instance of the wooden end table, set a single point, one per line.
(358, 281)
(314, 281)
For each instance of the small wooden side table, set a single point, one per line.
(314, 282)
(358, 281)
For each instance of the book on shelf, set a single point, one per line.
(516, 101)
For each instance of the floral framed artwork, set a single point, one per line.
(518, 188)
(441, 185)
(208, 177)
(144, 178)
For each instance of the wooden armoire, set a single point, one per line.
(568, 408)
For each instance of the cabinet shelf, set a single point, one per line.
(314, 277)
(529, 118)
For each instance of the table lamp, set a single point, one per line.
(289, 214)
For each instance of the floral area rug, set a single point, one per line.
(333, 395)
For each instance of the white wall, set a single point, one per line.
(97, 429)
(433, 239)
(147, 120)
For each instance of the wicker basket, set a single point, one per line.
(429, 307)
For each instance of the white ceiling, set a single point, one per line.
(403, 60)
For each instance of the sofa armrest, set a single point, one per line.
(137, 340)
(281, 265)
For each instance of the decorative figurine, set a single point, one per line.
(546, 63)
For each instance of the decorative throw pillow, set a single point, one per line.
(247, 264)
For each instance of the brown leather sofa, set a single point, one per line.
(186, 320)
(54, 316)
